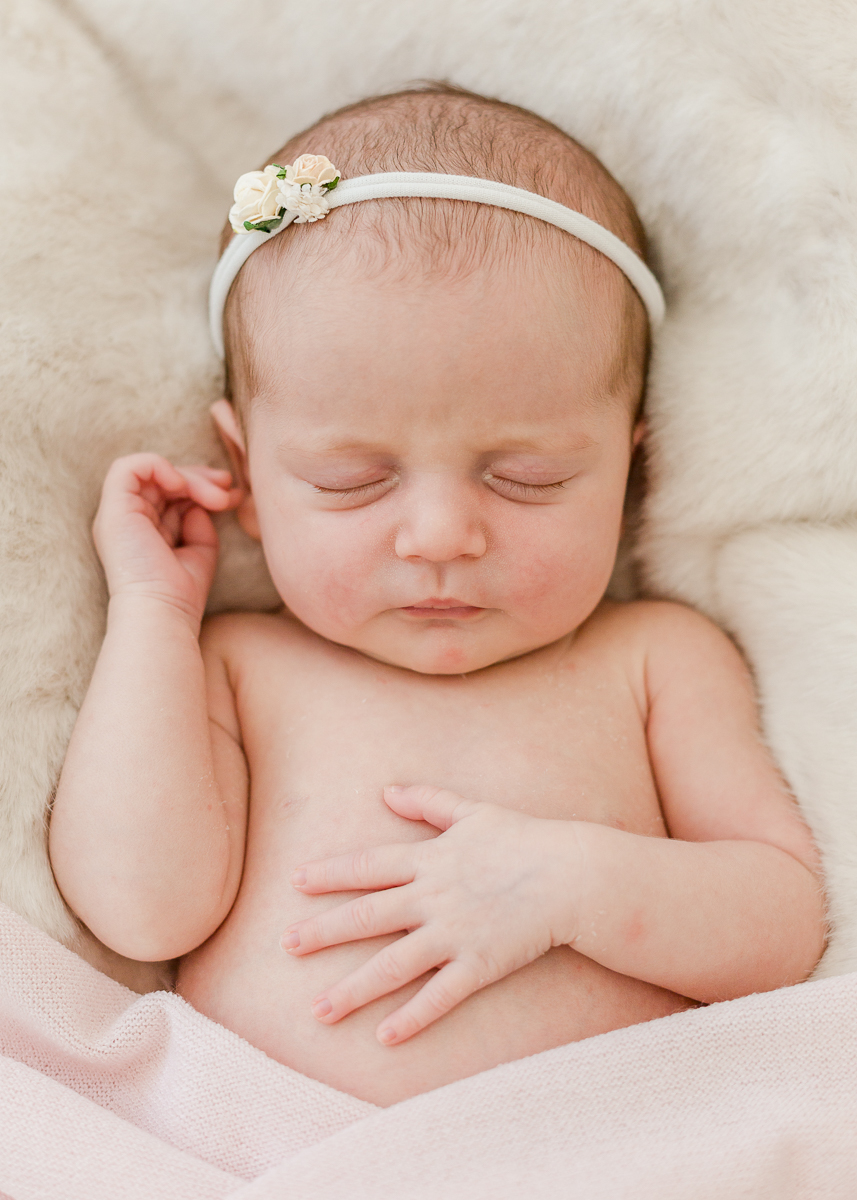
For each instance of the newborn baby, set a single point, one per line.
(449, 806)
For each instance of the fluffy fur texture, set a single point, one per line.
(731, 123)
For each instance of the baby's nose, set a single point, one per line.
(441, 523)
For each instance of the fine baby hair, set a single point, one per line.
(422, 151)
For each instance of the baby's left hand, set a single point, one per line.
(494, 892)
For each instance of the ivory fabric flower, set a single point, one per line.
(309, 201)
(257, 198)
(304, 185)
(262, 198)
(313, 169)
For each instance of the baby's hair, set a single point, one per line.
(441, 128)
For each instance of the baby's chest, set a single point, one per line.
(549, 748)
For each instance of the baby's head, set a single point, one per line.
(434, 402)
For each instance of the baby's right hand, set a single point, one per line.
(153, 533)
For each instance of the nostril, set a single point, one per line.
(441, 544)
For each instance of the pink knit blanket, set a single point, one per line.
(107, 1095)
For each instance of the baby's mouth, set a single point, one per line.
(436, 609)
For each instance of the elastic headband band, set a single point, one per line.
(446, 187)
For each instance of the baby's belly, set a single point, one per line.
(242, 979)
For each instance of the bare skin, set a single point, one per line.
(588, 831)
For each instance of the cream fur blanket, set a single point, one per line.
(733, 124)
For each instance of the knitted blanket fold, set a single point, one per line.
(114, 1095)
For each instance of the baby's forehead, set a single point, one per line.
(368, 368)
(374, 297)
(421, 256)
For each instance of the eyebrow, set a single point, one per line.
(545, 448)
(513, 446)
(332, 449)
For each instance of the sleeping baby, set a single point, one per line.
(449, 806)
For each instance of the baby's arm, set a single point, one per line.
(147, 831)
(730, 904)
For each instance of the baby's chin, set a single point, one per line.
(450, 655)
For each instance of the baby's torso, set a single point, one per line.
(559, 733)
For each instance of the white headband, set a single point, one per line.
(442, 187)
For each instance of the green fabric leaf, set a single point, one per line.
(265, 226)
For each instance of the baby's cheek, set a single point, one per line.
(326, 581)
(561, 581)
(534, 573)
(537, 578)
(344, 593)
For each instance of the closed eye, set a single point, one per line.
(363, 491)
(517, 490)
(513, 489)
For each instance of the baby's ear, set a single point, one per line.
(639, 433)
(232, 437)
(229, 428)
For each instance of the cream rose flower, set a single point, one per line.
(257, 198)
(314, 169)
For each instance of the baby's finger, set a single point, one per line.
(368, 916)
(391, 968)
(136, 472)
(208, 491)
(197, 529)
(169, 522)
(378, 867)
(422, 802)
(218, 474)
(452, 984)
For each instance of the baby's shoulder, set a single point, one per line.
(652, 618)
(655, 619)
(238, 635)
(664, 634)
(672, 645)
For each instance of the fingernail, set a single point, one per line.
(396, 787)
(387, 1034)
(322, 1008)
(291, 939)
(298, 879)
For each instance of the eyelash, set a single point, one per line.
(526, 489)
(513, 485)
(361, 490)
